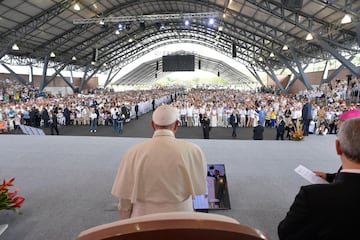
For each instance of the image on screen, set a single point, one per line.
(217, 196)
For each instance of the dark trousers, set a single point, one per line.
(280, 135)
(52, 127)
(234, 126)
(206, 132)
(306, 124)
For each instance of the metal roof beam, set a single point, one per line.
(33, 24)
(67, 82)
(154, 17)
(304, 77)
(340, 58)
(18, 77)
(43, 77)
(271, 73)
(336, 72)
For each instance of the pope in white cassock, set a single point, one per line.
(163, 174)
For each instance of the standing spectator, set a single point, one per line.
(306, 116)
(234, 121)
(137, 110)
(45, 116)
(258, 132)
(66, 114)
(153, 104)
(280, 131)
(53, 123)
(93, 120)
(162, 174)
(273, 116)
(120, 122)
(26, 116)
(205, 124)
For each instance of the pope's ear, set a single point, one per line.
(176, 125)
(338, 147)
(153, 125)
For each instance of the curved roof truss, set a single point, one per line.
(259, 29)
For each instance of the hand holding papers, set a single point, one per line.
(309, 175)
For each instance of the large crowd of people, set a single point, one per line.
(26, 105)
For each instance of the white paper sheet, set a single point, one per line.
(309, 175)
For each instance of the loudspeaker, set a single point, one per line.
(157, 65)
(218, 74)
(234, 50)
(142, 26)
(296, 4)
(199, 64)
(349, 78)
(94, 55)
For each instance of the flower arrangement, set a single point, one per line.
(10, 200)
(298, 133)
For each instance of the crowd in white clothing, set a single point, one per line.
(191, 105)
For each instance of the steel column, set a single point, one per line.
(340, 58)
(20, 79)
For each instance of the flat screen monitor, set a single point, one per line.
(176, 63)
(217, 196)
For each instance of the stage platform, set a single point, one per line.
(66, 180)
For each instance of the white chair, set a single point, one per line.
(174, 226)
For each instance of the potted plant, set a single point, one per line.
(9, 200)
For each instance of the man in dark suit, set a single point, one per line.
(306, 116)
(66, 113)
(329, 211)
(205, 124)
(53, 123)
(234, 121)
(258, 132)
(280, 129)
(137, 110)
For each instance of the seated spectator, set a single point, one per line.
(330, 177)
(290, 128)
(323, 128)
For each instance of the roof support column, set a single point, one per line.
(295, 76)
(19, 78)
(71, 76)
(85, 80)
(112, 78)
(358, 33)
(67, 82)
(340, 58)
(274, 77)
(325, 72)
(336, 72)
(82, 83)
(43, 78)
(292, 80)
(108, 77)
(254, 73)
(31, 75)
(55, 74)
(304, 78)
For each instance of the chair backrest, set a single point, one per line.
(174, 226)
